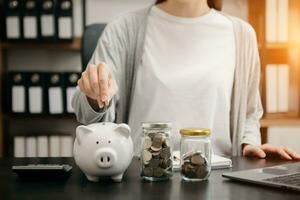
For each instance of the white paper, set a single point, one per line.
(30, 27)
(66, 145)
(271, 20)
(42, 146)
(31, 147)
(283, 19)
(19, 146)
(70, 93)
(47, 25)
(271, 88)
(65, 27)
(12, 27)
(55, 100)
(283, 88)
(35, 99)
(54, 148)
(18, 99)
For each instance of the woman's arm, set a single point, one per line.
(252, 138)
(97, 98)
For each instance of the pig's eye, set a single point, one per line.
(97, 142)
(109, 141)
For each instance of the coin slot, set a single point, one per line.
(101, 159)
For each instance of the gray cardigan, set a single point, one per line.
(121, 47)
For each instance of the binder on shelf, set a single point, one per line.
(13, 19)
(70, 82)
(47, 20)
(54, 146)
(64, 19)
(283, 20)
(17, 83)
(31, 20)
(31, 146)
(283, 88)
(55, 93)
(271, 20)
(66, 146)
(19, 146)
(271, 88)
(36, 82)
(42, 146)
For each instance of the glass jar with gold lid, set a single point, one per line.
(195, 154)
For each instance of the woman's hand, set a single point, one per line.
(98, 85)
(266, 149)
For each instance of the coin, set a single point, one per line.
(165, 153)
(157, 141)
(148, 171)
(188, 155)
(197, 159)
(147, 142)
(201, 172)
(166, 163)
(154, 162)
(151, 135)
(156, 154)
(166, 142)
(147, 156)
(155, 148)
(158, 172)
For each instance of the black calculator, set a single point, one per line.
(43, 171)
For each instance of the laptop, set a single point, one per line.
(285, 176)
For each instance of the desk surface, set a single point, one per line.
(133, 187)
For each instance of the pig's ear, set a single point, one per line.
(81, 131)
(124, 129)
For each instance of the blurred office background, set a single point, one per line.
(51, 133)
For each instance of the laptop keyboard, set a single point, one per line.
(290, 179)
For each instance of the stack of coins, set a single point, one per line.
(194, 165)
(156, 156)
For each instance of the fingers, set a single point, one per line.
(292, 153)
(283, 154)
(271, 149)
(86, 85)
(98, 84)
(93, 78)
(113, 88)
(103, 82)
(253, 151)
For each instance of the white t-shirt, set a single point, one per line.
(186, 76)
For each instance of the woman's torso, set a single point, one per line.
(186, 76)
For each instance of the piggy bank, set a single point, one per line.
(103, 150)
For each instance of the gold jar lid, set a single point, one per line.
(195, 131)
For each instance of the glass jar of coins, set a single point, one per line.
(195, 154)
(156, 151)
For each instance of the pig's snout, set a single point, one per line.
(106, 157)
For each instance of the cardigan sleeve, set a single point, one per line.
(254, 111)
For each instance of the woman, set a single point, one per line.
(181, 61)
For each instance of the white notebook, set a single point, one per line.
(217, 162)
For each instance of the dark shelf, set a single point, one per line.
(38, 116)
(73, 45)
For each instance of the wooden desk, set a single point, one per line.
(133, 187)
